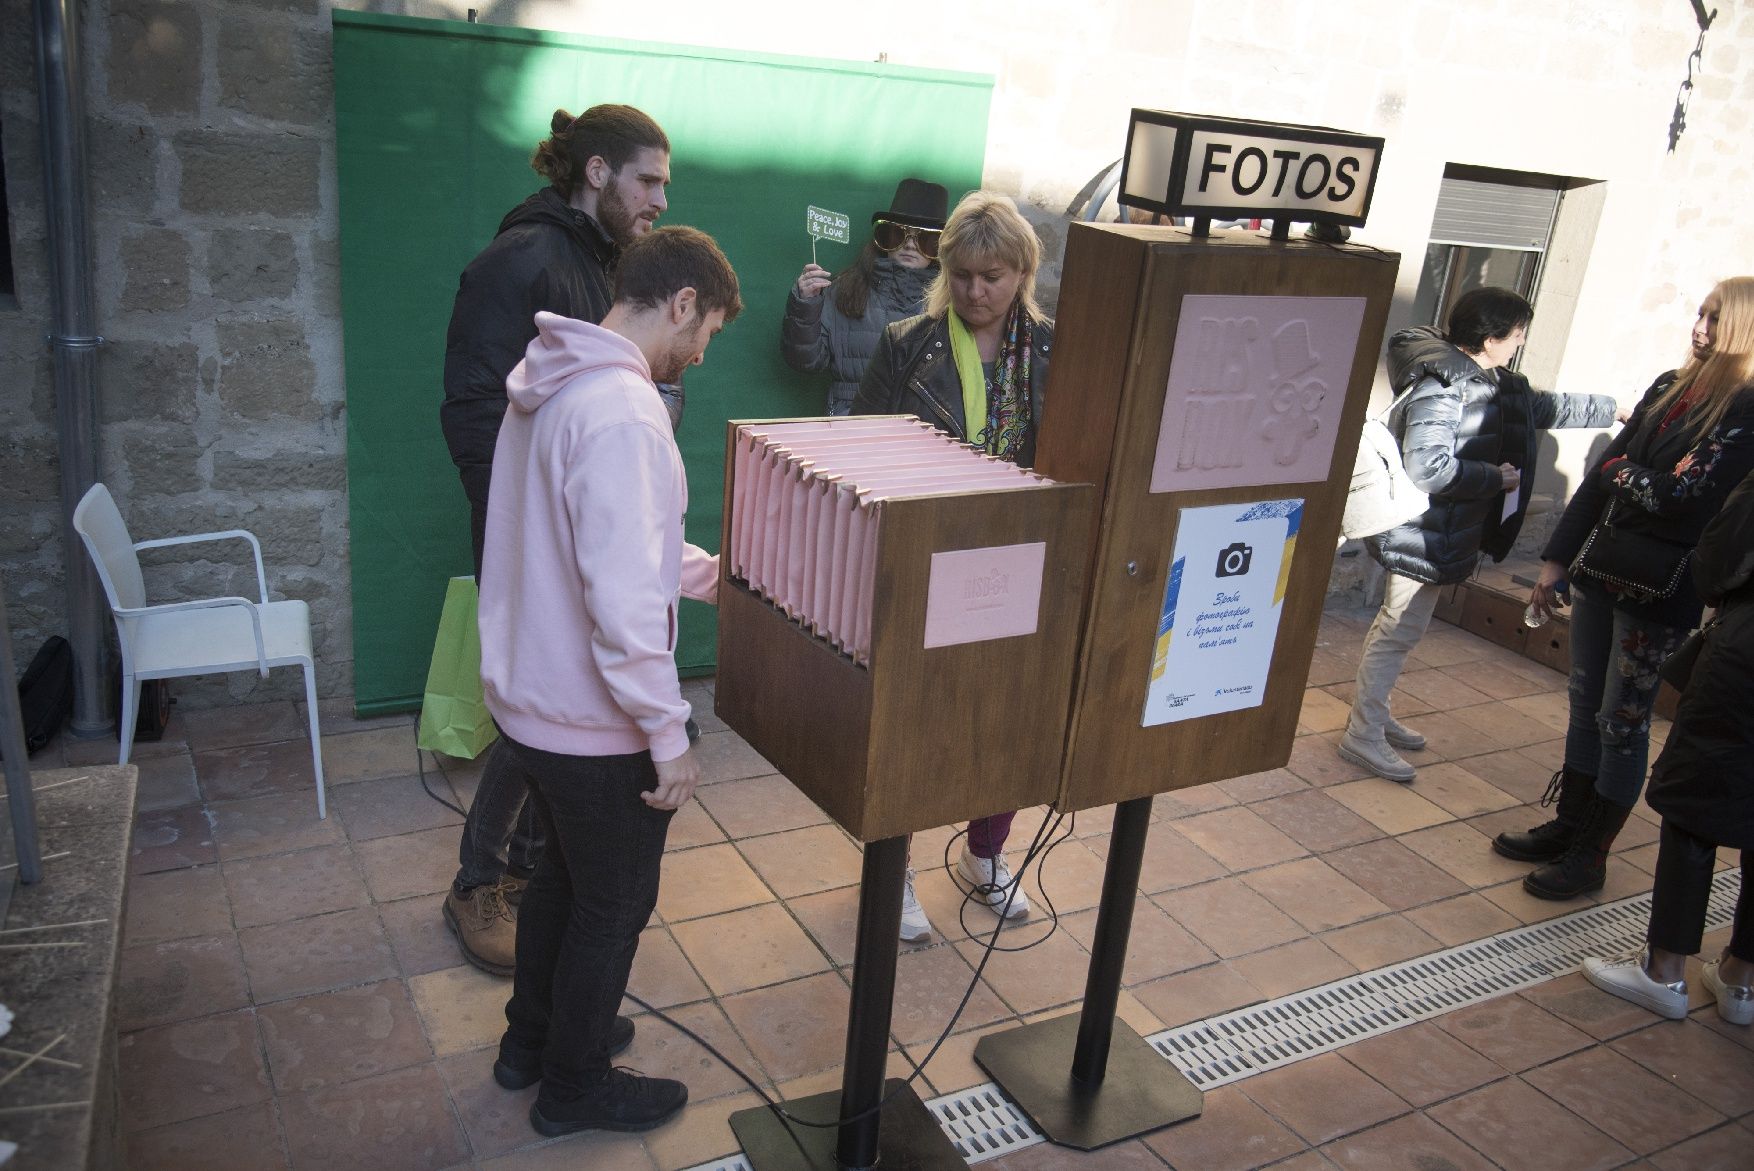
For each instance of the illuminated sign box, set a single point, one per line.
(1238, 168)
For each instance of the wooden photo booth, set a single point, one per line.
(1191, 471)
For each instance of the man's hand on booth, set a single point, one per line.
(676, 781)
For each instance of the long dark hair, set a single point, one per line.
(852, 288)
(612, 132)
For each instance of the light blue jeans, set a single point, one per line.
(1614, 661)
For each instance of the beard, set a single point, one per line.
(617, 219)
(678, 358)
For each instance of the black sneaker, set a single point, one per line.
(518, 1068)
(623, 1100)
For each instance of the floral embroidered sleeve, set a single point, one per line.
(1725, 451)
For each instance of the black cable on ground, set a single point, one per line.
(1036, 852)
(420, 761)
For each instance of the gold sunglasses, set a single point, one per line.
(891, 236)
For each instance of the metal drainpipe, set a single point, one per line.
(61, 104)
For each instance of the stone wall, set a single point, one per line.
(213, 179)
(211, 143)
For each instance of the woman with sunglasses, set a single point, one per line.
(974, 364)
(836, 331)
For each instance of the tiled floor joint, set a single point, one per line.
(984, 1124)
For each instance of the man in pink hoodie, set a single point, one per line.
(585, 563)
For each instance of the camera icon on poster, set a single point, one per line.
(1234, 559)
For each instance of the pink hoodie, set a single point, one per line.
(585, 558)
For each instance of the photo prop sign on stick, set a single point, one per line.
(827, 225)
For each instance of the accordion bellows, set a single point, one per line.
(898, 615)
(807, 508)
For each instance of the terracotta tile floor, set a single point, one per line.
(290, 997)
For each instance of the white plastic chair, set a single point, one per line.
(199, 637)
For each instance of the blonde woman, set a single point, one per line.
(974, 364)
(1625, 542)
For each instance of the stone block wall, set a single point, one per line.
(211, 143)
(213, 218)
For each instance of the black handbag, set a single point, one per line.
(1647, 565)
(1677, 669)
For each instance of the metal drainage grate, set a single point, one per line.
(984, 1124)
(1224, 1049)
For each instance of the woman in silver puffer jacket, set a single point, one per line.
(1469, 428)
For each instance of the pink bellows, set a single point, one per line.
(807, 508)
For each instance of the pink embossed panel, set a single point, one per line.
(1256, 389)
(977, 594)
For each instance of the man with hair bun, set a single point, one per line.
(585, 563)
(607, 170)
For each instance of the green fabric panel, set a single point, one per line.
(436, 121)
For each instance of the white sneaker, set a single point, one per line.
(1627, 979)
(1377, 756)
(1735, 1002)
(992, 881)
(1401, 736)
(915, 927)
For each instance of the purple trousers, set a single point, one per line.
(986, 835)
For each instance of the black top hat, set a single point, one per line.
(918, 204)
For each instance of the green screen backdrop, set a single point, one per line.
(436, 121)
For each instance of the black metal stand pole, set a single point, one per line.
(1114, 926)
(904, 1135)
(873, 1000)
(1087, 1079)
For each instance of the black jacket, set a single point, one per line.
(546, 256)
(1704, 779)
(816, 336)
(1456, 423)
(1668, 483)
(912, 373)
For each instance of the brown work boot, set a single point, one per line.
(512, 889)
(485, 927)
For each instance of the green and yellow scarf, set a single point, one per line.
(1003, 406)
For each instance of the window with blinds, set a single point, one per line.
(1485, 231)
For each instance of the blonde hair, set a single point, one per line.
(1712, 382)
(986, 227)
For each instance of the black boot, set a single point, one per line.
(1546, 842)
(1584, 865)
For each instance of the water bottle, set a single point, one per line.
(1534, 619)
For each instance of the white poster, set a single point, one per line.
(1221, 608)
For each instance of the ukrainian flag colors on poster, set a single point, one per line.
(1221, 608)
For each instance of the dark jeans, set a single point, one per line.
(1614, 661)
(582, 914)
(1682, 890)
(500, 833)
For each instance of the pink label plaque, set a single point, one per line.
(977, 594)
(1256, 389)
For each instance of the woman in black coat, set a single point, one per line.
(1624, 542)
(975, 364)
(1703, 785)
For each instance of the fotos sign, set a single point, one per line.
(1235, 168)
